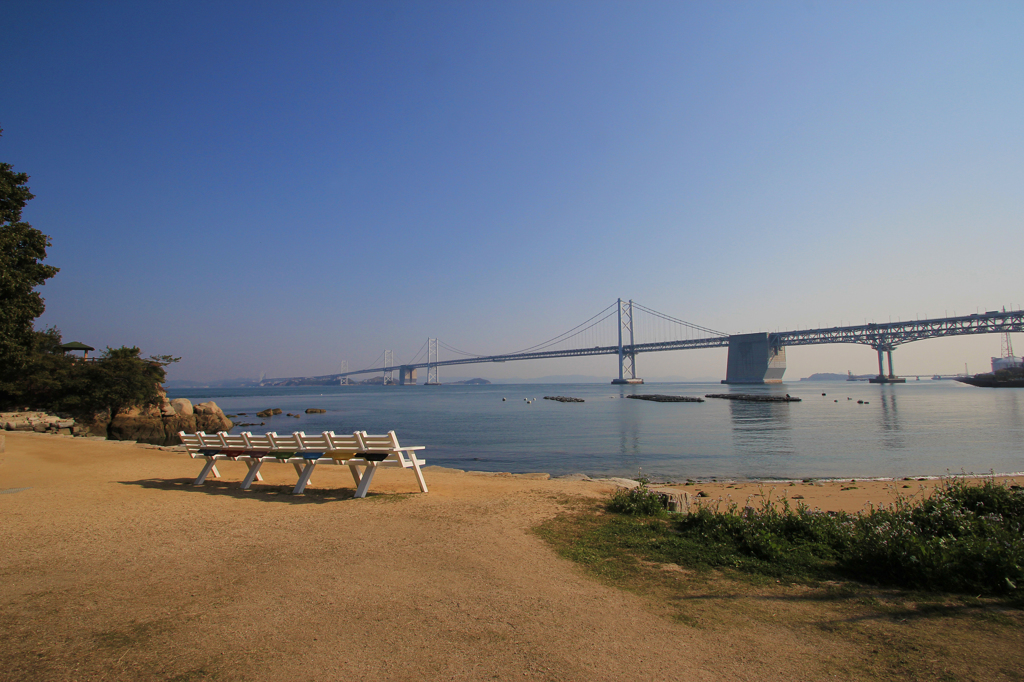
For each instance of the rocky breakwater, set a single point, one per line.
(563, 399)
(658, 398)
(754, 397)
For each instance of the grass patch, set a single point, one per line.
(871, 591)
(964, 538)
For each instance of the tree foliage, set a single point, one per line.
(34, 370)
(22, 247)
(49, 379)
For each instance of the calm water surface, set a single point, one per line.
(918, 428)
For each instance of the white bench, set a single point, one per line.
(361, 452)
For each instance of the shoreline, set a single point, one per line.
(581, 475)
(853, 494)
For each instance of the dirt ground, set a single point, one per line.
(114, 567)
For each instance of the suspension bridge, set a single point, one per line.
(626, 329)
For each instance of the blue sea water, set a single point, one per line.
(918, 428)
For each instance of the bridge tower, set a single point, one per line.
(344, 370)
(627, 358)
(432, 379)
(389, 370)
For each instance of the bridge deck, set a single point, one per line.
(884, 336)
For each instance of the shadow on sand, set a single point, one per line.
(264, 493)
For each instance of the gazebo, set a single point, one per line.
(77, 345)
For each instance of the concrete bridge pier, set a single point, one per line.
(406, 376)
(755, 359)
(882, 377)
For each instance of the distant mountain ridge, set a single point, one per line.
(223, 383)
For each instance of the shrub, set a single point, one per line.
(638, 501)
(963, 538)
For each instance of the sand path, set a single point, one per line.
(114, 567)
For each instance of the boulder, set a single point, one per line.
(315, 410)
(620, 482)
(153, 430)
(674, 500)
(210, 418)
(96, 425)
(166, 408)
(182, 406)
(140, 428)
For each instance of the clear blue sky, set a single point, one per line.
(279, 187)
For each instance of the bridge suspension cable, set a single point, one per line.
(676, 320)
(456, 350)
(575, 331)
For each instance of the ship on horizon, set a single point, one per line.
(1007, 370)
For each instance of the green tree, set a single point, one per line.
(42, 379)
(120, 380)
(22, 247)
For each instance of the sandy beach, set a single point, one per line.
(115, 567)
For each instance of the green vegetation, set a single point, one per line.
(854, 630)
(639, 501)
(50, 380)
(34, 372)
(964, 538)
(21, 249)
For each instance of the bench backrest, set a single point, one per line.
(375, 443)
(286, 442)
(258, 442)
(190, 441)
(343, 443)
(221, 440)
(312, 443)
(338, 446)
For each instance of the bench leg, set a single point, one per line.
(356, 475)
(367, 478)
(211, 465)
(254, 473)
(419, 474)
(307, 471)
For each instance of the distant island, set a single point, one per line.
(825, 376)
(470, 382)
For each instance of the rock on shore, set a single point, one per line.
(40, 422)
(160, 424)
(156, 424)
